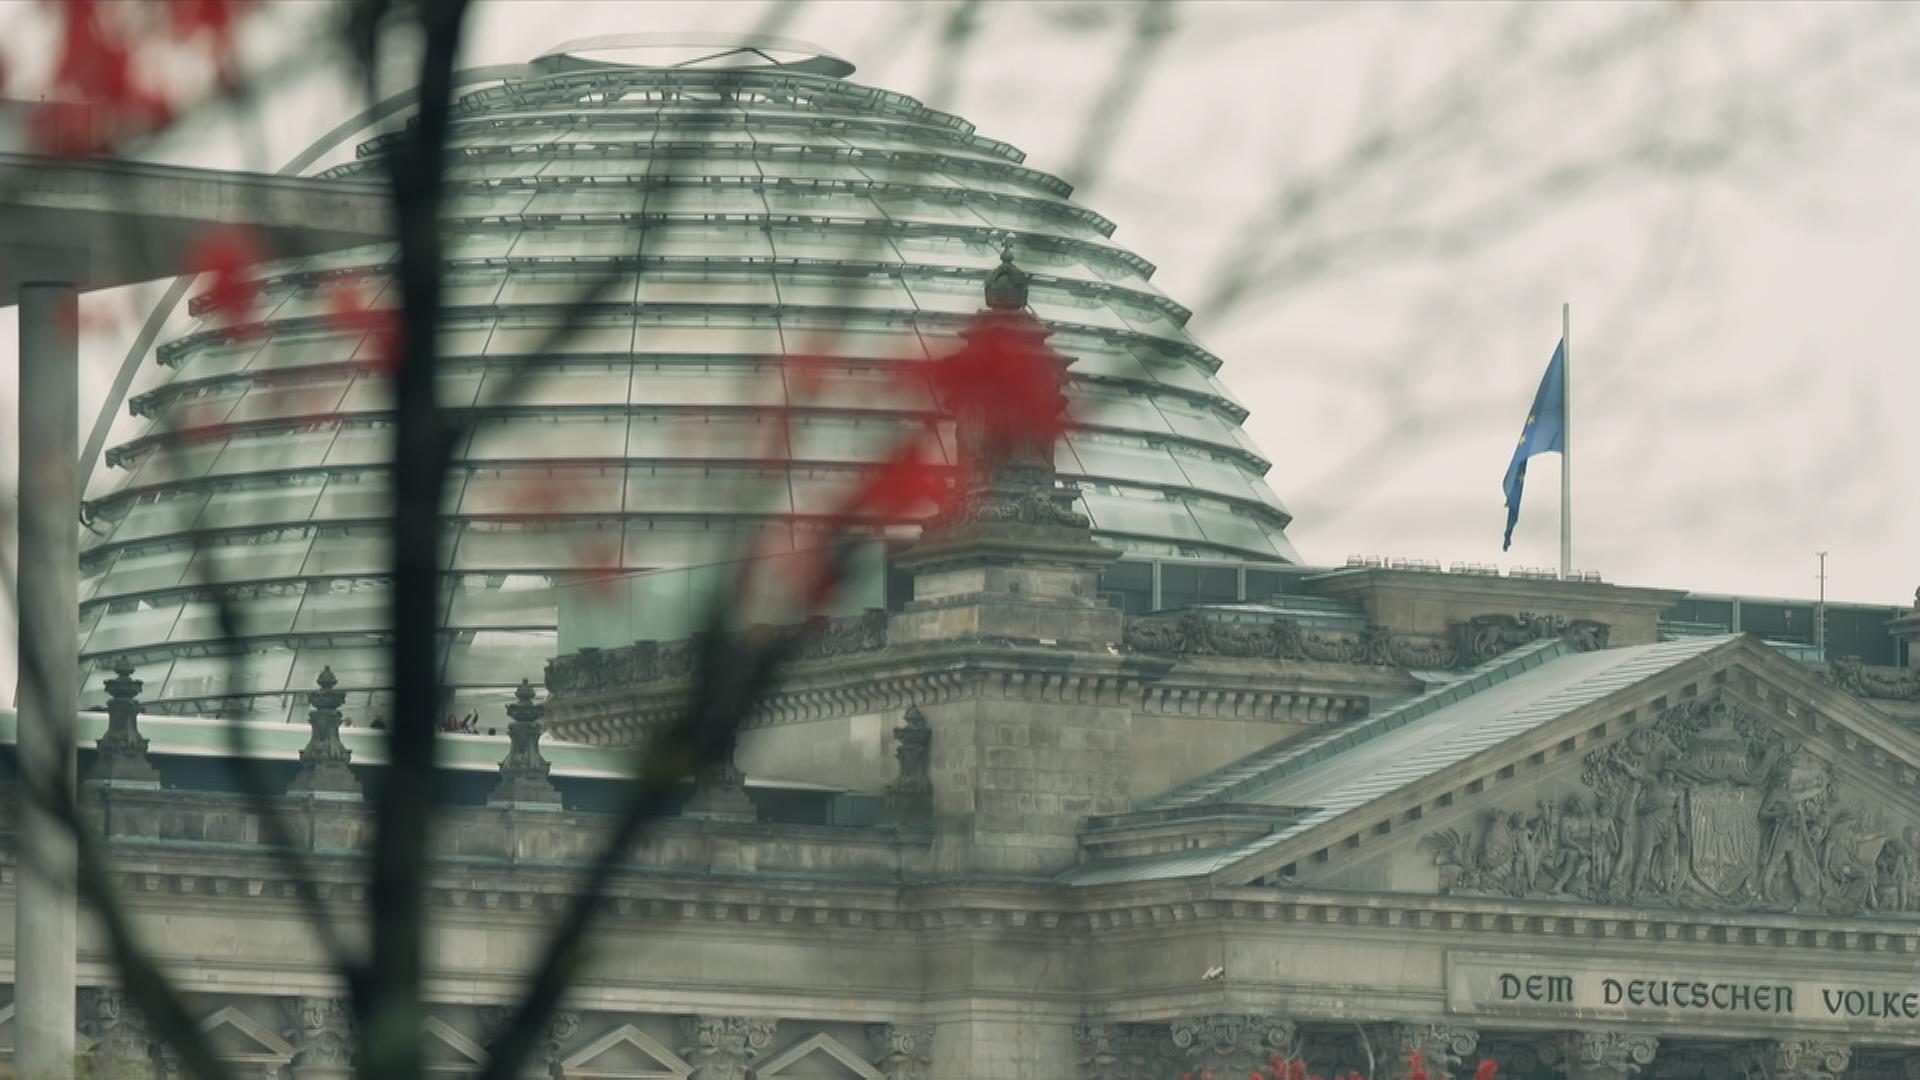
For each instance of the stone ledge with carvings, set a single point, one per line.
(1472, 641)
(1873, 681)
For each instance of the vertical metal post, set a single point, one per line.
(49, 628)
(1820, 610)
(1566, 441)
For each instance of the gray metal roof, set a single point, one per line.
(1347, 768)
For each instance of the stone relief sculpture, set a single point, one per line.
(1858, 679)
(1703, 808)
(724, 1047)
(910, 796)
(592, 670)
(1474, 641)
(901, 1051)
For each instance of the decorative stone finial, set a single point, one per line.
(323, 762)
(910, 796)
(1007, 284)
(523, 772)
(121, 753)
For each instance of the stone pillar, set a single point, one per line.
(724, 1047)
(321, 1030)
(323, 762)
(1797, 1059)
(1443, 1050)
(910, 795)
(1601, 1055)
(49, 694)
(523, 772)
(120, 755)
(122, 1048)
(901, 1051)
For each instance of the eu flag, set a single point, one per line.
(1545, 431)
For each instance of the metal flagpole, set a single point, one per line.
(1566, 441)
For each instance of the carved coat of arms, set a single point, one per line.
(1704, 807)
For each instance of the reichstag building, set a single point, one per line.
(1110, 783)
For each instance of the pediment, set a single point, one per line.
(1737, 781)
(237, 1037)
(447, 1050)
(626, 1053)
(821, 1056)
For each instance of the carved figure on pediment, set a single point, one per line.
(1846, 868)
(1893, 877)
(122, 1047)
(1589, 841)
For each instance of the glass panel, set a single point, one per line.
(881, 387)
(1061, 305)
(926, 176)
(1153, 517)
(279, 402)
(529, 287)
(807, 170)
(463, 338)
(696, 436)
(819, 439)
(671, 490)
(288, 352)
(948, 251)
(846, 290)
(610, 165)
(825, 335)
(279, 503)
(368, 394)
(273, 450)
(551, 385)
(576, 243)
(682, 240)
(708, 336)
(1092, 356)
(1174, 370)
(262, 556)
(263, 671)
(702, 165)
(354, 667)
(673, 287)
(1194, 424)
(493, 203)
(548, 437)
(262, 613)
(201, 406)
(168, 515)
(1226, 527)
(358, 550)
(128, 624)
(346, 604)
(939, 212)
(479, 245)
(668, 542)
(707, 384)
(1087, 405)
(493, 169)
(824, 491)
(501, 657)
(215, 359)
(823, 204)
(1124, 462)
(361, 446)
(543, 492)
(955, 295)
(703, 199)
(526, 600)
(371, 255)
(351, 496)
(836, 245)
(1217, 476)
(535, 545)
(180, 461)
(520, 337)
(607, 199)
(154, 568)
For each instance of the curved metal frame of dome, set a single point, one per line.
(813, 60)
(775, 208)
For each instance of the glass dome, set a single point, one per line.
(720, 220)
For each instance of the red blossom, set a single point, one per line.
(228, 253)
(1006, 379)
(1488, 1067)
(95, 75)
(1297, 1069)
(1416, 1066)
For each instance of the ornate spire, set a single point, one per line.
(121, 755)
(323, 762)
(1007, 284)
(523, 772)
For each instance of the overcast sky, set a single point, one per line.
(1744, 337)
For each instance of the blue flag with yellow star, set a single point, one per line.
(1545, 431)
